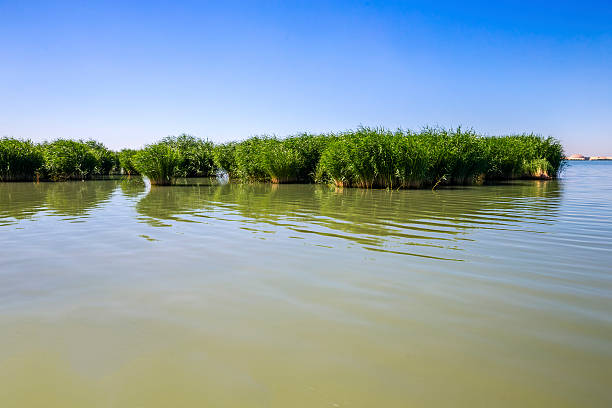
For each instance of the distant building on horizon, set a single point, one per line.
(577, 157)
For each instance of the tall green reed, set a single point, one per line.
(196, 155)
(374, 157)
(160, 162)
(126, 161)
(69, 159)
(20, 160)
(366, 157)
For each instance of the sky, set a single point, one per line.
(131, 73)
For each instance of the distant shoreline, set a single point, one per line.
(579, 157)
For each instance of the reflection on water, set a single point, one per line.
(73, 199)
(388, 221)
(116, 293)
(78, 199)
(20, 201)
(132, 186)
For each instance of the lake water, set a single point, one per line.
(115, 294)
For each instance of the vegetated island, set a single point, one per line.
(366, 157)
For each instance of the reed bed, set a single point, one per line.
(20, 160)
(173, 157)
(62, 159)
(107, 161)
(126, 161)
(224, 156)
(159, 162)
(66, 159)
(196, 158)
(270, 159)
(378, 158)
(366, 158)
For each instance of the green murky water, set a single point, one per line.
(115, 294)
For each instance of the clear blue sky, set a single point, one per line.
(129, 73)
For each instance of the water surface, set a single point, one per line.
(114, 293)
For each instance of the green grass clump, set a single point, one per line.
(197, 157)
(380, 158)
(20, 160)
(281, 162)
(250, 159)
(160, 162)
(370, 158)
(172, 157)
(106, 159)
(225, 159)
(126, 161)
(302, 154)
(522, 156)
(454, 156)
(360, 159)
(366, 157)
(69, 159)
(290, 160)
(538, 168)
